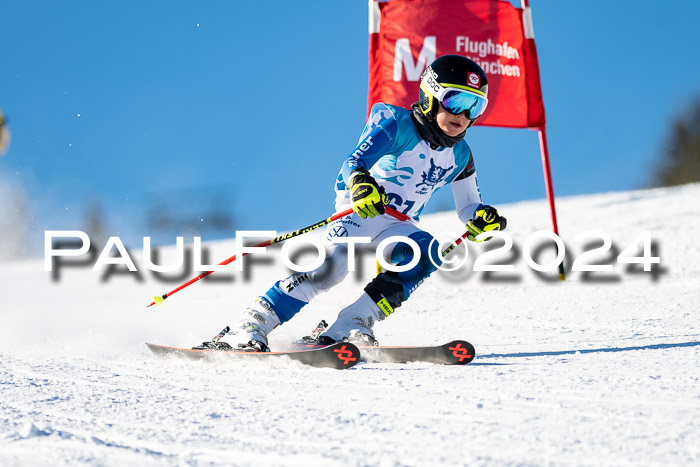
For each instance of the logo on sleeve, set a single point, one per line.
(363, 147)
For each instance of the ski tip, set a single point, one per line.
(461, 352)
(347, 354)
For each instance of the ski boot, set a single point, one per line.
(354, 324)
(250, 333)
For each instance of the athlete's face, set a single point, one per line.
(451, 124)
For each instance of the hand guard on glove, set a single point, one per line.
(367, 197)
(486, 219)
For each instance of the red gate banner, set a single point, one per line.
(407, 35)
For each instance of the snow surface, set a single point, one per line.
(597, 369)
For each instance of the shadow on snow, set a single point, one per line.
(583, 351)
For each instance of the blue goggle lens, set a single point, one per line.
(457, 102)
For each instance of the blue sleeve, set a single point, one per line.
(376, 141)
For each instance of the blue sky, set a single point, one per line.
(190, 108)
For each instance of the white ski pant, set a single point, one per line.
(289, 295)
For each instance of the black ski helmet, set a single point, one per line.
(450, 71)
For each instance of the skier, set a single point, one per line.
(403, 157)
(4, 134)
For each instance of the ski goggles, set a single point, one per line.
(456, 101)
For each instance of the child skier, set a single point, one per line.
(403, 157)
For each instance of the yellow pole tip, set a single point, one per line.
(562, 277)
(158, 300)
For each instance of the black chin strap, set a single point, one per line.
(431, 132)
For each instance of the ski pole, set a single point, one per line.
(455, 244)
(157, 300)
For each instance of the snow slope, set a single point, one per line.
(597, 369)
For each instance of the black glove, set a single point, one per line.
(367, 197)
(486, 219)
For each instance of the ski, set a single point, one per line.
(340, 355)
(457, 352)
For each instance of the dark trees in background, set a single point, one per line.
(679, 161)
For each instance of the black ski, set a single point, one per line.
(340, 355)
(453, 353)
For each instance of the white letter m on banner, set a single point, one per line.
(404, 59)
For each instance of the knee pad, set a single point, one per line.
(395, 287)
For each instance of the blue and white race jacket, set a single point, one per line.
(409, 170)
